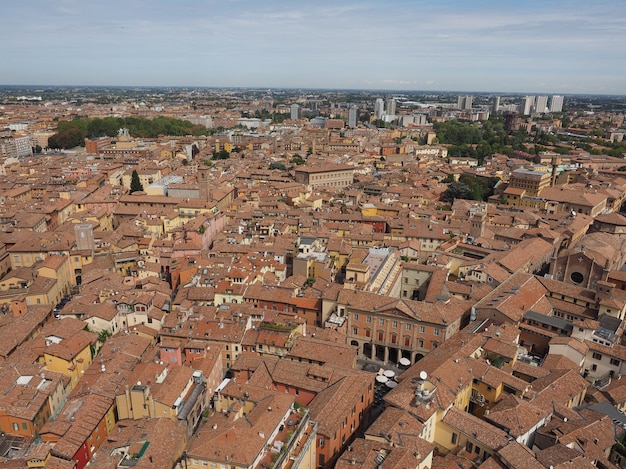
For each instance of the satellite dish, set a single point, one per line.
(423, 375)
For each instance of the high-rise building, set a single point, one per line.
(296, 112)
(556, 104)
(528, 104)
(541, 104)
(379, 108)
(496, 104)
(352, 115)
(391, 107)
(465, 102)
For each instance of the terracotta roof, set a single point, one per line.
(518, 417)
(518, 456)
(331, 406)
(487, 435)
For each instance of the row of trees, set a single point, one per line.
(264, 114)
(73, 133)
(478, 140)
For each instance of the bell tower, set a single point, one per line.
(203, 182)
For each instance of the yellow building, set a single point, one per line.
(339, 252)
(100, 218)
(146, 177)
(533, 182)
(43, 284)
(227, 146)
(479, 439)
(70, 357)
(369, 210)
(171, 397)
(59, 270)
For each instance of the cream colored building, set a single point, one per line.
(331, 175)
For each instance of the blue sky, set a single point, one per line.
(551, 46)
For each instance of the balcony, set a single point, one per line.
(289, 442)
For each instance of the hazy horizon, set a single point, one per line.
(535, 47)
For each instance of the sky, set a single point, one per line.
(525, 46)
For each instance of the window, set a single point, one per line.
(407, 341)
(381, 322)
(408, 327)
(381, 335)
(615, 362)
(577, 277)
(420, 343)
(355, 330)
(24, 426)
(436, 331)
(368, 319)
(356, 317)
(394, 324)
(454, 437)
(469, 446)
(368, 332)
(597, 356)
(16, 427)
(422, 329)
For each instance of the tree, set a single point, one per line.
(297, 159)
(470, 188)
(135, 183)
(456, 190)
(221, 155)
(104, 335)
(68, 138)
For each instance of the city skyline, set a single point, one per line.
(555, 48)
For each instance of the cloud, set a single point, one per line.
(457, 44)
